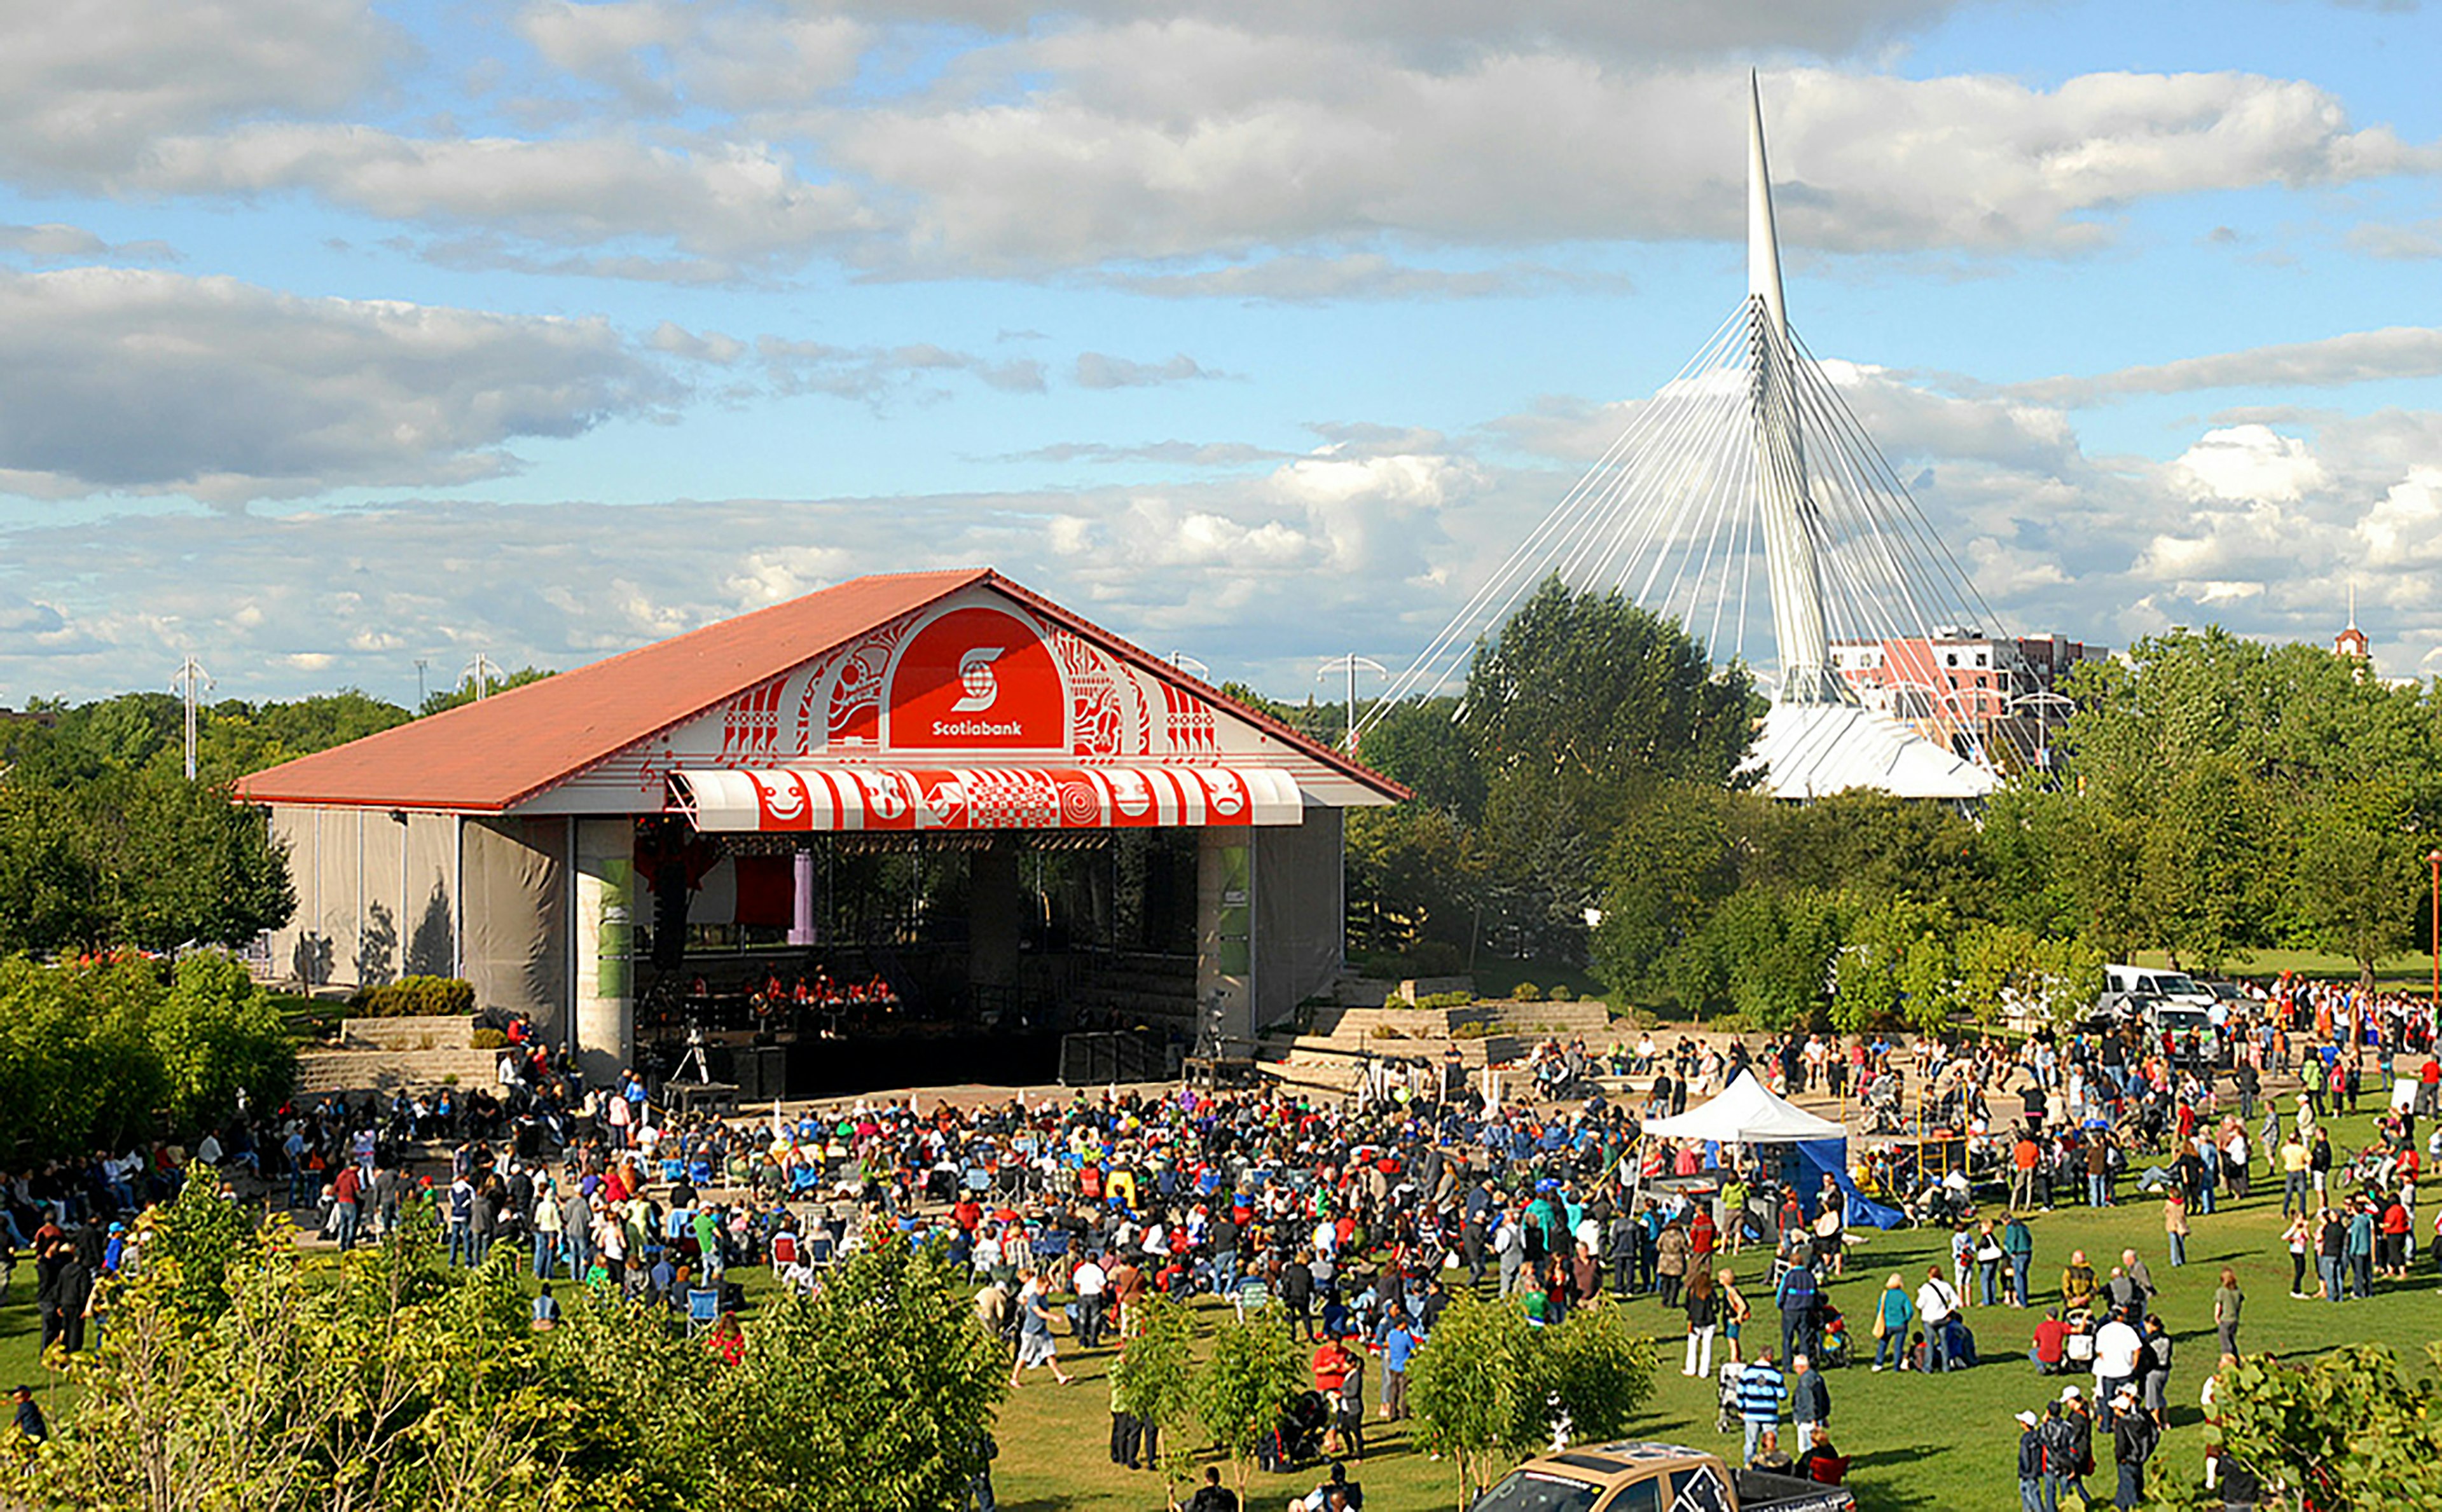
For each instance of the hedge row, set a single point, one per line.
(414, 997)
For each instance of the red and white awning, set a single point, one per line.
(736, 799)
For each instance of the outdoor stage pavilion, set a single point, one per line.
(968, 819)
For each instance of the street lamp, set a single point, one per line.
(1352, 663)
(2433, 859)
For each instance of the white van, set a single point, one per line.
(2156, 983)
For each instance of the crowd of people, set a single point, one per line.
(1361, 1220)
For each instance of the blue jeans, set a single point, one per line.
(2018, 1276)
(2098, 1190)
(2328, 1266)
(1894, 1345)
(546, 1255)
(2030, 1493)
(346, 1214)
(2179, 1249)
(461, 1242)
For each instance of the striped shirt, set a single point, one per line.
(1760, 1392)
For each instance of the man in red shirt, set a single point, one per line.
(2050, 1352)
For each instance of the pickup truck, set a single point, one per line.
(1631, 1476)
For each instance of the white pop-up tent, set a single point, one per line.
(1747, 1113)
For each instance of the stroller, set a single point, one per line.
(1831, 1350)
(1299, 1438)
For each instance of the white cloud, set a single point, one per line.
(730, 200)
(52, 241)
(115, 381)
(2404, 528)
(2358, 357)
(875, 374)
(2248, 463)
(1099, 369)
(1293, 279)
(86, 87)
(1191, 137)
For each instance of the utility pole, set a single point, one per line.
(1352, 663)
(420, 664)
(482, 671)
(191, 681)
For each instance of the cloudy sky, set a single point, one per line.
(334, 335)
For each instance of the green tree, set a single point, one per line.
(78, 1069)
(216, 1033)
(1153, 1379)
(1476, 1389)
(1778, 950)
(1600, 1372)
(1589, 688)
(1672, 861)
(2352, 1428)
(106, 1055)
(870, 1395)
(1490, 1387)
(1251, 1376)
(2357, 877)
(1422, 745)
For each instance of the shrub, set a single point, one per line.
(1526, 993)
(1446, 1000)
(1564, 994)
(489, 1039)
(1476, 1031)
(1384, 1032)
(1731, 1023)
(414, 997)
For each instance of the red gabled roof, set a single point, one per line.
(497, 751)
(1330, 755)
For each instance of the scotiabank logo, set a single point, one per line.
(977, 679)
(976, 676)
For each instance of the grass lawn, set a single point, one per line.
(2406, 973)
(1917, 1441)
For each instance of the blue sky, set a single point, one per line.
(334, 335)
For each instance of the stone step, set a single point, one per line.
(323, 1071)
(1567, 1020)
(450, 1031)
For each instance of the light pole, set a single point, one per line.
(1352, 663)
(190, 680)
(420, 664)
(2433, 859)
(1188, 664)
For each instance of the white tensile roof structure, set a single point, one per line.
(1747, 1113)
(1751, 456)
(1814, 750)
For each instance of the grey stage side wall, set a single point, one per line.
(516, 901)
(376, 897)
(1301, 921)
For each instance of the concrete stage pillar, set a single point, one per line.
(604, 924)
(801, 898)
